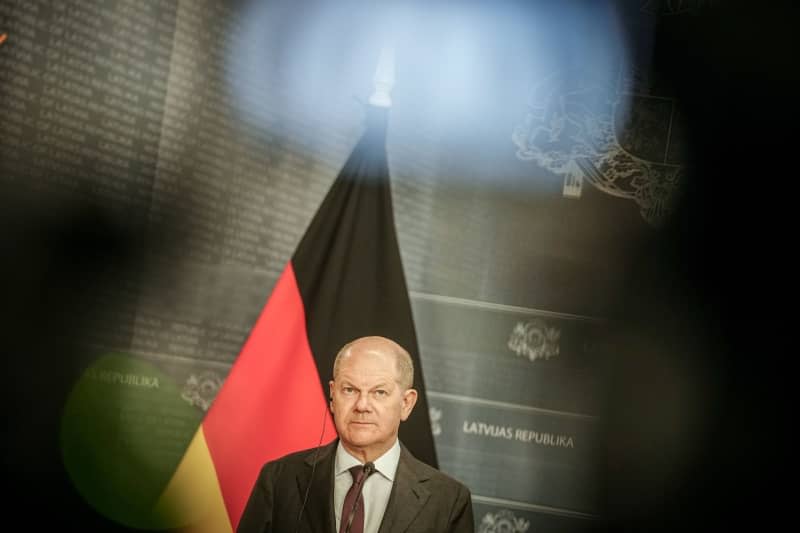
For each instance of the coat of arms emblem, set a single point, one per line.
(503, 522)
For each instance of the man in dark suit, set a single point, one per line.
(366, 481)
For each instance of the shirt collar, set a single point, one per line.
(386, 464)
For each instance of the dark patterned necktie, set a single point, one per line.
(354, 519)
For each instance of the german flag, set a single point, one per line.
(344, 281)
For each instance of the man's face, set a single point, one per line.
(367, 401)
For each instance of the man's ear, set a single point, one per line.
(409, 401)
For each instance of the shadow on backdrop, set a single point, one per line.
(70, 268)
(697, 412)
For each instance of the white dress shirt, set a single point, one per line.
(376, 489)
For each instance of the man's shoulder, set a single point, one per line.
(434, 475)
(298, 456)
(301, 457)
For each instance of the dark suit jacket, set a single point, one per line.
(422, 499)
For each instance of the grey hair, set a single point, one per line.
(402, 359)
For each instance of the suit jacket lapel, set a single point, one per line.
(318, 513)
(407, 498)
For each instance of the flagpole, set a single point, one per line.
(383, 79)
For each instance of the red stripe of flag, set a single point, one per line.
(271, 403)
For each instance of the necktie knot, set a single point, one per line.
(357, 472)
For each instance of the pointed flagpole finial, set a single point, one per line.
(384, 79)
